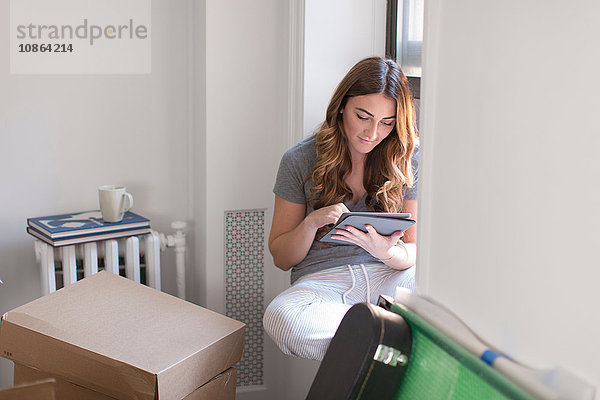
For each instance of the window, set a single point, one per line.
(404, 38)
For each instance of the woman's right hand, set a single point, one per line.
(292, 233)
(326, 215)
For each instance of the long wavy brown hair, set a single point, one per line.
(388, 166)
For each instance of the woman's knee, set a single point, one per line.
(407, 278)
(386, 282)
(302, 324)
(281, 325)
(275, 318)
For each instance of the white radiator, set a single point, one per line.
(135, 257)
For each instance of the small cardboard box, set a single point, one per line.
(39, 390)
(221, 387)
(122, 339)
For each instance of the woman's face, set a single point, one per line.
(368, 119)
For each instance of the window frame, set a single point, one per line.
(391, 41)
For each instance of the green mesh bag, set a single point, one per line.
(441, 369)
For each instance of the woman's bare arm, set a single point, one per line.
(292, 234)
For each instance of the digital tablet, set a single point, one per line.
(384, 223)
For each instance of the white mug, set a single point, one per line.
(114, 202)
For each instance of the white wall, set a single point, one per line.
(246, 115)
(509, 196)
(338, 34)
(246, 122)
(62, 136)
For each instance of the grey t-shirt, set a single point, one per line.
(293, 184)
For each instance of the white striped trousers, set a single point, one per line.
(303, 319)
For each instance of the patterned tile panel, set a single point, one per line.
(244, 286)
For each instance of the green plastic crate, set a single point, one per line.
(439, 368)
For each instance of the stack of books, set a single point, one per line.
(82, 227)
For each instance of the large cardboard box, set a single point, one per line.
(221, 387)
(122, 339)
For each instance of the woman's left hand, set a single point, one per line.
(377, 245)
